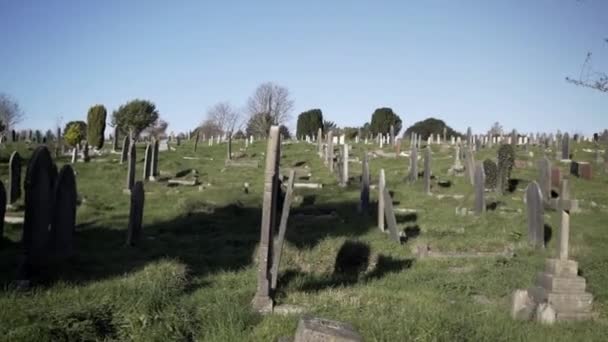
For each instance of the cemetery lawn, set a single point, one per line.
(194, 274)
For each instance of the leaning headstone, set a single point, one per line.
(136, 214)
(312, 329)
(566, 147)
(413, 175)
(389, 215)
(480, 181)
(364, 197)
(536, 221)
(278, 246)
(39, 197)
(125, 150)
(381, 186)
(147, 162)
(131, 167)
(64, 214)
(262, 301)
(14, 178)
(427, 170)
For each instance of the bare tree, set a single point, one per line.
(158, 130)
(224, 116)
(273, 100)
(209, 128)
(10, 112)
(590, 78)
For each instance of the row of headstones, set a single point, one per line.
(29, 135)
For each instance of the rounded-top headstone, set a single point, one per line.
(64, 213)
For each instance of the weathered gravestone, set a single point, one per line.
(470, 165)
(136, 214)
(115, 139)
(63, 223)
(320, 142)
(381, 186)
(155, 150)
(364, 197)
(566, 147)
(85, 152)
(427, 170)
(39, 197)
(536, 221)
(147, 162)
(125, 149)
(312, 329)
(262, 301)
(344, 167)
(278, 245)
(389, 215)
(413, 175)
(131, 166)
(480, 181)
(14, 178)
(229, 147)
(330, 151)
(544, 178)
(196, 141)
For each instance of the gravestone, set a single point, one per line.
(155, 151)
(2, 209)
(536, 221)
(480, 181)
(74, 154)
(389, 215)
(470, 165)
(229, 147)
(115, 139)
(427, 170)
(63, 223)
(39, 197)
(445, 134)
(196, 141)
(136, 214)
(278, 246)
(566, 147)
(345, 165)
(14, 178)
(312, 329)
(469, 137)
(320, 142)
(262, 301)
(556, 176)
(147, 162)
(131, 166)
(413, 175)
(125, 150)
(544, 178)
(330, 151)
(85, 152)
(364, 197)
(381, 186)
(392, 135)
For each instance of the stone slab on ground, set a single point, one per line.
(312, 329)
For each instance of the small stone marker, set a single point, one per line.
(39, 197)
(278, 247)
(14, 176)
(63, 223)
(536, 221)
(312, 329)
(131, 167)
(480, 181)
(262, 301)
(147, 162)
(136, 214)
(389, 214)
(364, 197)
(125, 149)
(427, 170)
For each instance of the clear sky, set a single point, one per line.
(470, 63)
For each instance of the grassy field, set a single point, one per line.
(194, 274)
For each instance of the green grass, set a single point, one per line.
(194, 274)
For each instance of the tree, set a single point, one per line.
(329, 126)
(273, 101)
(209, 129)
(224, 115)
(135, 116)
(284, 131)
(382, 119)
(75, 132)
(96, 126)
(259, 125)
(496, 129)
(309, 123)
(430, 126)
(10, 112)
(158, 129)
(238, 135)
(589, 77)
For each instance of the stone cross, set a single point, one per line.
(63, 223)
(381, 186)
(131, 167)
(364, 198)
(136, 214)
(278, 246)
(262, 301)
(413, 176)
(39, 182)
(427, 170)
(536, 221)
(147, 162)
(125, 150)
(14, 178)
(480, 181)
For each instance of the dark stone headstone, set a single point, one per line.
(64, 213)
(364, 198)
(14, 178)
(125, 150)
(131, 168)
(196, 141)
(536, 221)
(566, 146)
(147, 162)
(389, 215)
(155, 151)
(2, 209)
(480, 181)
(115, 139)
(39, 197)
(136, 214)
(229, 147)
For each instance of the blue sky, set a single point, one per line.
(470, 63)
